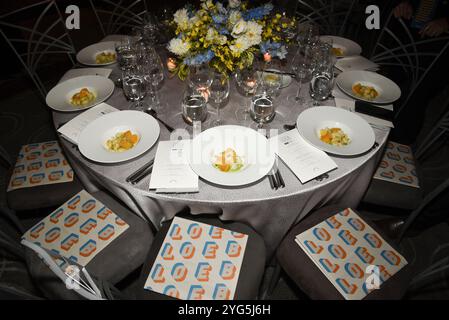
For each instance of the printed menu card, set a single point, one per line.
(74, 73)
(72, 129)
(171, 169)
(305, 161)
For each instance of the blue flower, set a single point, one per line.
(219, 19)
(200, 58)
(257, 13)
(275, 49)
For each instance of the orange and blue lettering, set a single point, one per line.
(167, 252)
(333, 222)
(345, 213)
(215, 232)
(321, 234)
(221, 292)
(227, 270)
(179, 272)
(73, 203)
(33, 155)
(391, 257)
(337, 251)
(71, 219)
(34, 166)
(233, 249)
(69, 241)
(107, 232)
(88, 248)
(54, 217)
(88, 225)
(53, 163)
(238, 235)
(329, 266)
(194, 231)
(52, 234)
(187, 250)
(158, 274)
(347, 287)
(50, 153)
(37, 178)
(357, 224)
(196, 292)
(347, 237)
(103, 213)
(364, 255)
(88, 206)
(202, 272)
(119, 221)
(35, 232)
(384, 274)
(18, 181)
(373, 240)
(210, 250)
(19, 168)
(175, 232)
(171, 291)
(47, 145)
(56, 175)
(354, 270)
(32, 146)
(313, 248)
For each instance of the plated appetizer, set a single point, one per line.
(82, 98)
(228, 161)
(365, 92)
(122, 141)
(338, 52)
(334, 137)
(105, 57)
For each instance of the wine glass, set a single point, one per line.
(247, 82)
(219, 92)
(126, 54)
(308, 34)
(200, 77)
(301, 67)
(150, 28)
(134, 86)
(194, 106)
(322, 82)
(154, 75)
(262, 109)
(271, 83)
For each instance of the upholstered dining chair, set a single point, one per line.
(309, 278)
(333, 17)
(120, 258)
(38, 196)
(116, 17)
(36, 33)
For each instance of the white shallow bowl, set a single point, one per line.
(92, 140)
(312, 120)
(388, 91)
(250, 145)
(349, 47)
(59, 97)
(286, 80)
(87, 56)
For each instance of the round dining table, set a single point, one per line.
(270, 212)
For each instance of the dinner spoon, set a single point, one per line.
(153, 113)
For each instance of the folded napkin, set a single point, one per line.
(74, 73)
(356, 63)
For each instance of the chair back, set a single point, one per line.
(397, 49)
(331, 16)
(35, 32)
(115, 17)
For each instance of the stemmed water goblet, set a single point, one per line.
(154, 75)
(134, 86)
(219, 92)
(247, 81)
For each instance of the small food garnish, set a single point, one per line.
(272, 78)
(228, 161)
(366, 92)
(105, 57)
(334, 136)
(122, 141)
(82, 98)
(338, 52)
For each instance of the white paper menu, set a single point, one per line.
(305, 161)
(72, 129)
(74, 73)
(171, 169)
(356, 63)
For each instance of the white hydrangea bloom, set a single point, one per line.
(241, 44)
(239, 28)
(253, 33)
(178, 46)
(181, 18)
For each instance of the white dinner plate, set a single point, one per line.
(388, 91)
(92, 140)
(360, 133)
(349, 47)
(88, 55)
(286, 80)
(251, 146)
(59, 97)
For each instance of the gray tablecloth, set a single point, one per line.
(271, 213)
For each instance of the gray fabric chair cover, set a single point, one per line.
(309, 278)
(253, 264)
(121, 257)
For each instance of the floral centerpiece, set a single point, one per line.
(227, 36)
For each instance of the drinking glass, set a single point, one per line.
(194, 106)
(134, 86)
(154, 75)
(302, 68)
(126, 54)
(219, 92)
(271, 83)
(308, 34)
(247, 81)
(262, 109)
(200, 77)
(150, 29)
(322, 83)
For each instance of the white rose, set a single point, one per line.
(234, 3)
(178, 47)
(234, 17)
(181, 18)
(239, 28)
